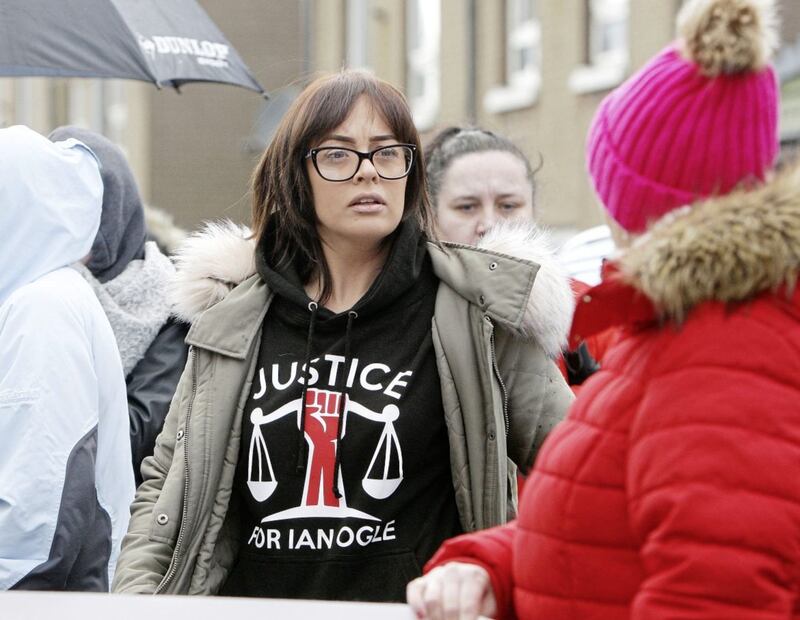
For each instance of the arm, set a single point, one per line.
(713, 497)
(151, 386)
(538, 396)
(48, 433)
(146, 556)
(470, 573)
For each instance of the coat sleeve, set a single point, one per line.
(48, 445)
(151, 386)
(490, 549)
(713, 494)
(146, 555)
(538, 396)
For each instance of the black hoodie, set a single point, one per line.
(346, 497)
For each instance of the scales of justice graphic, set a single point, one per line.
(321, 431)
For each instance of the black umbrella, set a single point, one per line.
(167, 42)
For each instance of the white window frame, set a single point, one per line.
(606, 68)
(423, 61)
(522, 83)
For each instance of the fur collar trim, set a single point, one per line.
(725, 249)
(211, 262)
(549, 308)
(218, 257)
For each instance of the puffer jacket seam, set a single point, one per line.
(642, 437)
(682, 483)
(722, 367)
(593, 485)
(705, 597)
(525, 531)
(529, 592)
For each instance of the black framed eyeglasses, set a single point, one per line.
(336, 163)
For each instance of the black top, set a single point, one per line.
(353, 506)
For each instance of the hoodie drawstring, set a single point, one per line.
(301, 448)
(351, 316)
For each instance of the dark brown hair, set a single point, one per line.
(282, 198)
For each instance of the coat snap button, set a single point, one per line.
(587, 299)
(491, 435)
(493, 266)
(180, 435)
(162, 519)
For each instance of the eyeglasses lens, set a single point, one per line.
(390, 162)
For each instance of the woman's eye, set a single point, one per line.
(390, 153)
(334, 155)
(465, 208)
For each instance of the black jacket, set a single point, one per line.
(151, 385)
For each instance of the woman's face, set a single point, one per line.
(364, 210)
(478, 190)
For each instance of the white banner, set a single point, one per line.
(83, 606)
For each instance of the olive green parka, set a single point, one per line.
(500, 318)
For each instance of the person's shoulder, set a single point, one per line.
(757, 338)
(54, 300)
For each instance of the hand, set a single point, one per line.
(455, 591)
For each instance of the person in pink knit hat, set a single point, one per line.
(670, 491)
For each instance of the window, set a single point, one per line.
(607, 55)
(523, 55)
(423, 34)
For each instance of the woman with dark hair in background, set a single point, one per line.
(480, 180)
(477, 179)
(356, 392)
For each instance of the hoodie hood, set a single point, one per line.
(400, 272)
(122, 233)
(220, 256)
(51, 196)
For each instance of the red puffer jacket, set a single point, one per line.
(672, 490)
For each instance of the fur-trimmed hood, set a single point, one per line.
(214, 260)
(726, 249)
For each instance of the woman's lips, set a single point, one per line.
(367, 207)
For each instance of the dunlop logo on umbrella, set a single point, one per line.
(168, 43)
(206, 52)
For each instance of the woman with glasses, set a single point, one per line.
(356, 392)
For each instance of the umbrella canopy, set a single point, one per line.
(167, 42)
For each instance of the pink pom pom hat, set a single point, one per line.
(672, 134)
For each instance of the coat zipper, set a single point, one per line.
(185, 512)
(506, 421)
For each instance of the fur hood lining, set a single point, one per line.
(726, 249)
(217, 258)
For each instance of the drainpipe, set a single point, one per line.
(472, 63)
(306, 21)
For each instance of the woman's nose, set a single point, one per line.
(485, 222)
(366, 170)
